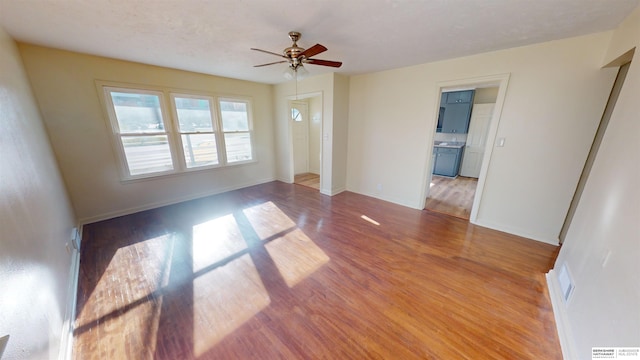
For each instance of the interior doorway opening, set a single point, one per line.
(602, 128)
(460, 194)
(463, 152)
(306, 134)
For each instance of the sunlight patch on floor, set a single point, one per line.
(131, 301)
(224, 299)
(268, 220)
(216, 240)
(226, 295)
(296, 256)
(365, 217)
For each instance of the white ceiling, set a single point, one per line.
(214, 37)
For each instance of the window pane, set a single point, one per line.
(296, 115)
(147, 154)
(238, 147)
(200, 150)
(234, 116)
(194, 114)
(137, 113)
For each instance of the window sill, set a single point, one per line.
(165, 175)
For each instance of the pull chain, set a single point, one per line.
(295, 74)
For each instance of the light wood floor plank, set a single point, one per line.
(452, 196)
(280, 271)
(308, 179)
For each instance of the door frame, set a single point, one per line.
(290, 99)
(616, 88)
(502, 82)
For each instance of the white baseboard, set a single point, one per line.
(66, 338)
(332, 192)
(562, 319)
(384, 198)
(284, 179)
(515, 231)
(157, 204)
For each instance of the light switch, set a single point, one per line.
(605, 257)
(501, 142)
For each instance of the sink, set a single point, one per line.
(453, 144)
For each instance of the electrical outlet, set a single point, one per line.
(379, 187)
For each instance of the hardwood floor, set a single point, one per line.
(452, 196)
(279, 271)
(308, 179)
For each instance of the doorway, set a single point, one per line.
(602, 128)
(454, 195)
(306, 129)
(461, 195)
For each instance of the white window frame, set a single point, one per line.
(118, 135)
(172, 129)
(249, 131)
(214, 123)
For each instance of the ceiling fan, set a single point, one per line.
(296, 56)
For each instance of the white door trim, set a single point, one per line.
(323, 176)
(500, 80)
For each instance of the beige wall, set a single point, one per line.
(64, 85)
(340, 133)
(604, 309)
(553, 104)
(35, 222)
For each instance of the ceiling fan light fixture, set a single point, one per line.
(301, 72)
(289, 73)
(295, 72)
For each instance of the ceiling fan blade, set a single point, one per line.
(273, 63)
(335, 64)
(314, 50)
(269, 52)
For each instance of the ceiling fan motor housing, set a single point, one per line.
(294, 50)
